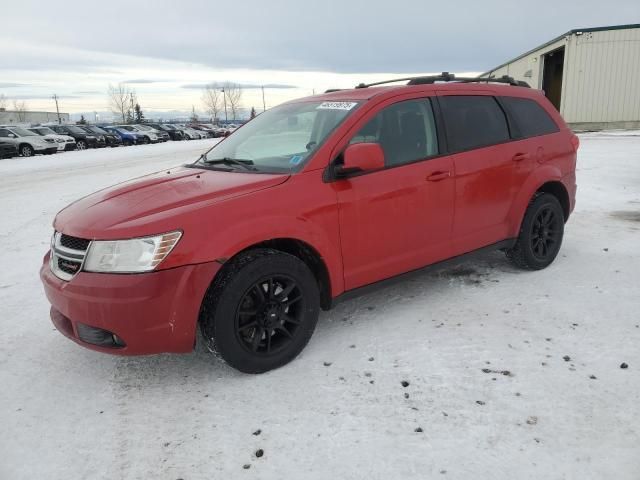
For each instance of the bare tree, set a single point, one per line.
(212, 100)
(121, 99)
(21, 109)
(3, 101)
(233, 91)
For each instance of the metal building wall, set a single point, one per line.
(601, 82)
(601, 79)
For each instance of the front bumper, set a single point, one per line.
(149, 313)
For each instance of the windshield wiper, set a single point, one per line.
(246, 164)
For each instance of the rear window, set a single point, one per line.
(473, 121)
(532, 120)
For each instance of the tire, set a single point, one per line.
(81, 145)
(261, 310)
(26, 150)
(540, 235)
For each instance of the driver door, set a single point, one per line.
(400, 218)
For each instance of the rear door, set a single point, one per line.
(485, 162)
(399, 218)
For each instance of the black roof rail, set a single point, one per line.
(449, 77)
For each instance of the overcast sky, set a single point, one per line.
(168, 49)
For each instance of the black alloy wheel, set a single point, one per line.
(541, 234)
(269, 314)
(261, 310)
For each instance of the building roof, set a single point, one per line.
(560, 37)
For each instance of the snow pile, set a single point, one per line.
(481, 371)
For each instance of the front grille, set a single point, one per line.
(74, 243)
(69, 266)
(67, 255)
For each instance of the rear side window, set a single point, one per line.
(532, 120)
(473, 121)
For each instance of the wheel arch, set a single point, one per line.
(558, 190)
(305, 252)
(547, 179)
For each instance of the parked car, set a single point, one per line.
(174, 133)
(189, 133)
(8, 149)
(308, 204)
(128, 137)
(111, 139)
(161, 134)
(28, 143)
(202, 129)
(143, 135)
(83, 138)
(64, 142)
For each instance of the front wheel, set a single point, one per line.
(541, 234)
(26, 150)
(81, 145)
(261, 310)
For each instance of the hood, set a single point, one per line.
(154, 203)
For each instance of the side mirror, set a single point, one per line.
(12, 135)
(361, 157)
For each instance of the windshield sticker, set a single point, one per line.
(295, 160)
(336, 105)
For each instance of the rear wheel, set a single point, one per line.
(26, 150)
(261, 311)
(541, 234)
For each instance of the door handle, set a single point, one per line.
(437, 176)
(518, 157)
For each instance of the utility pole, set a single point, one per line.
(55, 97)
(264, 105)
(224, 96)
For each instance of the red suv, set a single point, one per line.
(311, 201)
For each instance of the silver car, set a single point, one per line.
(28, 143)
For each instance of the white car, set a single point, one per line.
(64, 142)
(144, 135)
(162, 136)
(189, 133)
(28, 143)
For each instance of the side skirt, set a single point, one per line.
(450, 262)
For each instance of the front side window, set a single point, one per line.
(23, 132)
(531, 118)
(280, 140)
(4, 133)
(406, 131)
(473, 122)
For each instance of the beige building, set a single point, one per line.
(8, 117)
(591, 75)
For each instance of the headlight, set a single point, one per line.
(129, 256)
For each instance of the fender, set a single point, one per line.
(257, 230)
(541, 175)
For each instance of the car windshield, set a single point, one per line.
(73, 129)
(97, 130)
(22, 132)
(44, 131)
(280, 140)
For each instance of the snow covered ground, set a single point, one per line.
(481, 346)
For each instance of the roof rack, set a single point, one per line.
(449, 77)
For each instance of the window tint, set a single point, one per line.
(406, 132)
(473, 121)
(530, 117)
